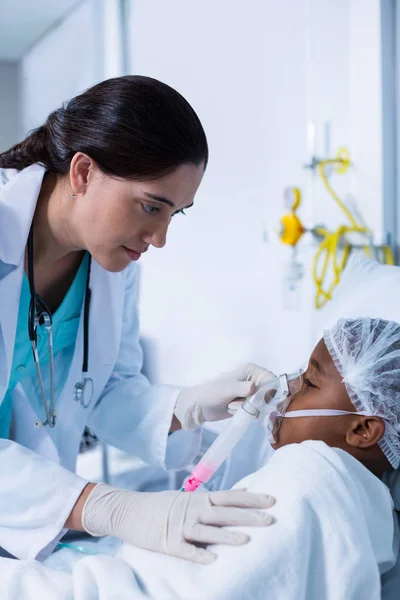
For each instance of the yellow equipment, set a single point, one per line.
(334, 248)
(291, 227)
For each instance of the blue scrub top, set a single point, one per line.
(65, 329)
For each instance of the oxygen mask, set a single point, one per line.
(271, 401)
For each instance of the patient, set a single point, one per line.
(336, 533)
(355, 368)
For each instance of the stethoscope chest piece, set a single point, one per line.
(83, 391)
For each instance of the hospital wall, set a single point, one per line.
(62, 64)
(256, 73)
(345, 94)
(9, 103)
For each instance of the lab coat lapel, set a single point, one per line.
(18, 199)
(10, 290)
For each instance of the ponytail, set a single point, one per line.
(37, 147)
(31, 150)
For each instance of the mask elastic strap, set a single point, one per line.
(318, 412)
(326, 412)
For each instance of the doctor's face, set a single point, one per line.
(118, 219)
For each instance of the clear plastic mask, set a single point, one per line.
(274, 398)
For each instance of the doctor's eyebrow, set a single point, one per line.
(160, 199)
(164, 200)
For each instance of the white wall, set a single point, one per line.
(60, 66)
(366, 109)
(256, 73)
(344, 74)
(9, 104)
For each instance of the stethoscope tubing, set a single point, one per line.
(38, 309)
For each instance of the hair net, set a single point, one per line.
(366, 352)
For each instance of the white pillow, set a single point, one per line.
(366, 289)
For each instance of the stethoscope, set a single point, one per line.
(39, 311)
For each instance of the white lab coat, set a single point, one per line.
(38, 484)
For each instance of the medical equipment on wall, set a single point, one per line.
(334, 246)
(38, 310)
(277, 390)
(291, 227)
(290, 231)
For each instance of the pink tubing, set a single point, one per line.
(201, 473)
(192, 484)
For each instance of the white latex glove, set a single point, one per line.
(218, 399)
(172, 522)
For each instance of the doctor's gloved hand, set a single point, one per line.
(173, 522)
(218, 399)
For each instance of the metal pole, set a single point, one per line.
(390, 123)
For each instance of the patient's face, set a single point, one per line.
(322, 388)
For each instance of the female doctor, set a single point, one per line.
(81, 198)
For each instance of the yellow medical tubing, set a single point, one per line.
(328, 251)
(388, 257)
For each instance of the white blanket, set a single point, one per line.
(93, 578)
(332, 540)
(333, 537)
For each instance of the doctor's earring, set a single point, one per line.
(73, 195)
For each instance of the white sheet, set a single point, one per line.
(333, 538)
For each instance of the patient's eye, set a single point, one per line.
(309, 383)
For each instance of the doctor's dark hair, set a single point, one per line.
(134, 127)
